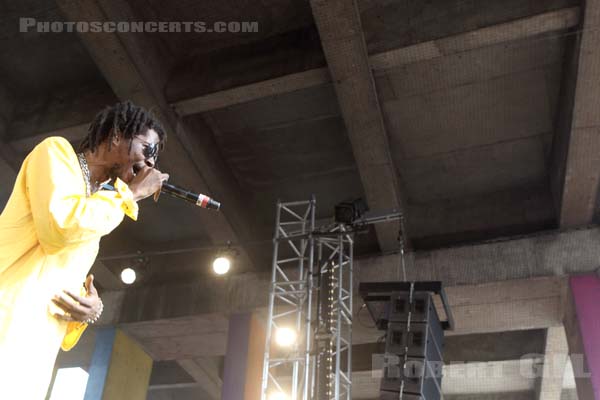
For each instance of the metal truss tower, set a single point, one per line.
(333, 337)
(311, 290)
(290, 371)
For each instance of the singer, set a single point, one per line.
(49, 236)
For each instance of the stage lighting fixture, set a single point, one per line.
(221, 265)
(128, 276)
(285, 337)
(350, 211)
(278, 396)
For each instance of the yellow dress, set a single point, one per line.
(49, 236)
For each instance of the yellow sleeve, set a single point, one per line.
(73, 334)
(62, 213)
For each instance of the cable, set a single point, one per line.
(401, 240)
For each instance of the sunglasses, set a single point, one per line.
(150, 150)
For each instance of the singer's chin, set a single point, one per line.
(124, 174)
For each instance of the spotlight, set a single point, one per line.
(128, 276)
(285, 337)
(278, 396)
(221, 265)
(349, 211)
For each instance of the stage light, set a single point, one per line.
(221, 265)
(350, 211)
(278, 396)
(285, 337)
(128, 276)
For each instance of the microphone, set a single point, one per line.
(198, 199)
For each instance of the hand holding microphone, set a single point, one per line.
(149, 181)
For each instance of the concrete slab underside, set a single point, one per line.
(516, 284)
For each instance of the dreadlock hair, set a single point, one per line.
(123, 118)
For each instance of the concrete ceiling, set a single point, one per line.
(470, 96)
(274, 17)
(33, 64)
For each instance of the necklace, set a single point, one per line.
(86, 173)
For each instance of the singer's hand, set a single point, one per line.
(79, 308)
(147, 182)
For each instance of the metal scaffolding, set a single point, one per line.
(313, 293)
(333, 336)
(290, 302)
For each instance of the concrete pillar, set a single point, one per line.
(549, 385)
(120, 368)
(244, 358)
(582, 324)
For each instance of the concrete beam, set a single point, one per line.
(487, 347)
(135, 71)
(495, 346)
(253, 91)
(487, 308)
(465, 379)
(520, 395)
(568, 394)
(549, 254)
(575, 163)
(526, 395)
(488, 36)
(550, 384)
(511, 31)
(492, 287)
(169, 374)
(344, 45)
(553, 254)
(173, 386)
(181, 392)
(205, 372)
(495, 307)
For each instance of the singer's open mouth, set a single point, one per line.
(135, 169)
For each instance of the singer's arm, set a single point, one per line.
(62, 214)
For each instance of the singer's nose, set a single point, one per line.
(150, 162)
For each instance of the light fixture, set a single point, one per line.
(277, 395)
(221, 265)
(285, 337)
(128, 276)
